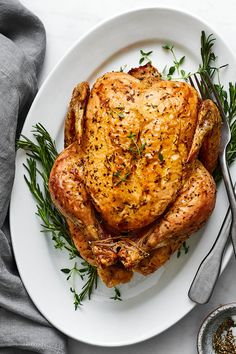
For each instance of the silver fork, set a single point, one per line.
(208, 271)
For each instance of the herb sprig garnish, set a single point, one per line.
(90, 273)
(117, 112)
(227, 97)
(87, 271)
(176, 68)
(160, 157)
(120, 178)
(91, 283)
(122, 68)
(145, 57)
(117, 295)
(71, 272)
(208, 56)
(184, 248)
(134, 148)
(41, 156)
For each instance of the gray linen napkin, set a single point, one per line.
(22, 49)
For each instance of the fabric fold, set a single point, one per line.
(22, 49)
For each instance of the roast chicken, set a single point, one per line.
(134, 180)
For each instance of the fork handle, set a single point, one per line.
(231, 195)
(207, 274)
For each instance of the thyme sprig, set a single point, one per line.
(117, 295)
(89, 273)
(121, 178)
(88, 287)
(75, 270)
(145, 57)
(184, 248)
(41, 156)
(176, 68)
(122, 68)
(134, 148)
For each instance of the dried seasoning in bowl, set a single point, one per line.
(224, 339)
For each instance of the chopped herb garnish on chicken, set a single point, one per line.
(142, 148)
(117, 174)
(121, 178)
(121, 115)
(134, 148)
(131, 136)
(160, 156)
(117, 112)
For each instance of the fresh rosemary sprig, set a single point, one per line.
(207, 55)
(41, 156)
(227, 97)
(145, 57)
(91, 282)
(228, 100)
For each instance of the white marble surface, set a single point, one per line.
(65, 22)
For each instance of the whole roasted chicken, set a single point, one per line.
(134, 180)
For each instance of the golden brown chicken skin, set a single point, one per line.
(69, 173)
(136, 143)
(130, 182)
